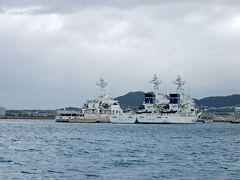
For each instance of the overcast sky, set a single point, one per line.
(53, 52)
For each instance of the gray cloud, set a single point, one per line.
(70, 6)
(53, 52)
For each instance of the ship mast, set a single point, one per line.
(179, 82)
(102, 84)
(156, 82)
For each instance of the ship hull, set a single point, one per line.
(165, 119)
(123, 119)
(153, 119)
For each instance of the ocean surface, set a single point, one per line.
(44, 149)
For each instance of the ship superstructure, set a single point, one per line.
(96, 110)
(157, 108)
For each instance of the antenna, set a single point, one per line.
(179, 82)
(102, 84)
(156, 82)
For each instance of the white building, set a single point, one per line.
(2, 111)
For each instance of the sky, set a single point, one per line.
(52, 53)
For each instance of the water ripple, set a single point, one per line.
(44, 149)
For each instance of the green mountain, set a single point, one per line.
(219, 101)
(131, 100)
(134, 99)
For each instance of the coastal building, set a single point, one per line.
(2, 111)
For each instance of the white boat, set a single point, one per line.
(157, 108)
(97, 110)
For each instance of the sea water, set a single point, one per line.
(45, 149)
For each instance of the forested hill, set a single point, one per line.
(219, 101)
(133, 99)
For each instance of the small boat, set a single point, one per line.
(207, 120)
(235, 121)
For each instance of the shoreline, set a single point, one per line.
(216, 120)
(45, 118)
(53, 118)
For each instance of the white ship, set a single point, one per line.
(97, 110)
(158, 109)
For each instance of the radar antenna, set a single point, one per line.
(179, 82)
(160, 98)
(102, 84)
(156, 82)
